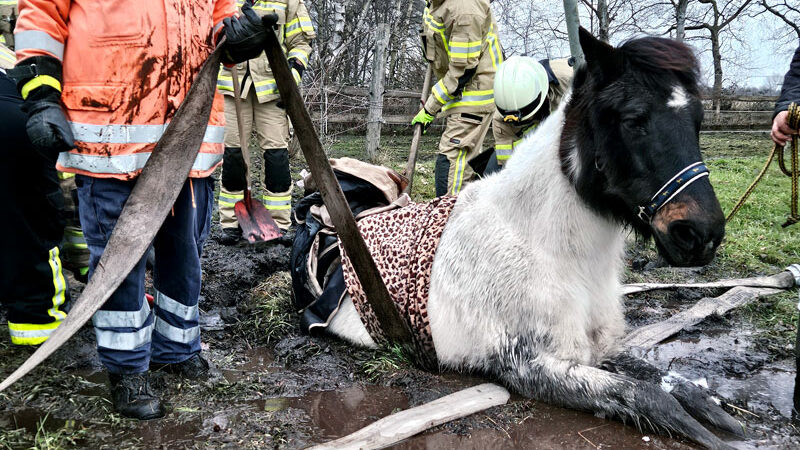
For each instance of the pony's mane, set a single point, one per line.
(655, 59)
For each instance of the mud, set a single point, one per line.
(273, 387)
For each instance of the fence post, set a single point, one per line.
(573, 22)
(376, 88)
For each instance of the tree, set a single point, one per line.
(714, 20)
(789, 15)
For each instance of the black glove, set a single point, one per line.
(47, 126)
(246, 35)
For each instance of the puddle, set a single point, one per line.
(546, 427)
(259, 360)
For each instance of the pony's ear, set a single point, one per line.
(600, 57)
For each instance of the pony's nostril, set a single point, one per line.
(685, 236)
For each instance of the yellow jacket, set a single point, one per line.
(295, 32)
(459, 39)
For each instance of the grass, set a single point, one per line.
(269, 312)
(384, 361)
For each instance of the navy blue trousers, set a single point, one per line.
(129, 334)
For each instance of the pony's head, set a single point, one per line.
(631, 146)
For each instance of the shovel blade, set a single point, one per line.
(254, 220)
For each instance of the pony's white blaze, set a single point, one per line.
(679, 98)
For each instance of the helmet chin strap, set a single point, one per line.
(670, 189)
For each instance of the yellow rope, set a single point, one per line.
(794, 123)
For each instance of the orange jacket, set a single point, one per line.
(127, 66)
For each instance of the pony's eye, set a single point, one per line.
(636, 126)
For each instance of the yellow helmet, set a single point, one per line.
(520, 88)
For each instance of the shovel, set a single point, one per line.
(254, 219)
(147, 207)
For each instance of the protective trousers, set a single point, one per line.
(461, 141)
(271, 126)
(32, 285)
(73, 246)
(129, 334)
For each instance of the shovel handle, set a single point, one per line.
(412, 154)
(244, 141)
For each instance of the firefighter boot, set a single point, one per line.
(194, 368)
(132, 396)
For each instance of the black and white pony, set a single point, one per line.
(525, 285)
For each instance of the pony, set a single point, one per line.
(525, 285)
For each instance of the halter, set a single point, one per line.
(672, 188)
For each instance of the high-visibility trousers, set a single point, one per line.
(129, 334)
(32, 285)
(461, 141)
(271, 127)
(75, 252)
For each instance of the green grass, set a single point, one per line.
(269, 312)
(384, 361)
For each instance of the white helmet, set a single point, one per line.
(520, 88)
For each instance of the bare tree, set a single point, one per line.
(717, 17)
(789, 14)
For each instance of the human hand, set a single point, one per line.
(781, 132)
(424, 119)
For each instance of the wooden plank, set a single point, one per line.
(391, 323)
(412, 154)
(404, 424)
(650, 335)
(783, 280)
(375, 112)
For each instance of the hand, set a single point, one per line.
(781, 132)
(423, 118)
(245, 35)
(297, 70)
(47, 126)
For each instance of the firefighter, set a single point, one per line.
(526, 91)
(8, 17)
(263, 113)
(459, 40)
(32, 285)
(75, 251)
(100, 84)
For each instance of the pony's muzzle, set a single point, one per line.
(688, 234)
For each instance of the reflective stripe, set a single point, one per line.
(229, 199)
(38, 40)
(7, 55)
(297, 25)
(458, 177)
(504, 151)
(224, 83)
(263, 5)
(494, 47)
(441, 94)
(123, 164)
(437, 27)
(177, 308)
(122, 319)
(266, 87)
(277, 203)
(123, 341)
(9, 2)
(65, 175)
(471, 98)
(217, 27)
(299, 54)
(465, 49)
(59, 285)
(134, 134)
(31, 333)
(37, 82)
(176, 334)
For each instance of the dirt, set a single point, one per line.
(273, 386)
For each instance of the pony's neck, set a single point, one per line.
(536, 197)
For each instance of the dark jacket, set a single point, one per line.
(791, 85)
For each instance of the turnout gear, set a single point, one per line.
(520, 71)
(133, 397)
(39, 81)
(8, 18)
(459, 40)
(73, 246)
(115, 91)
(424, 119)
(7, 57)
(263, 113)
(33, 287)
(245, 35)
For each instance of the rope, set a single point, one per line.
(794, 123)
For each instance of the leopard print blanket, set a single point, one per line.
(403, 243)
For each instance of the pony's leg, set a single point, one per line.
(701, 403)
(583, 387)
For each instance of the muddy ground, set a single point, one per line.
(274, 387)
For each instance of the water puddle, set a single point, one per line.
(259, 360)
